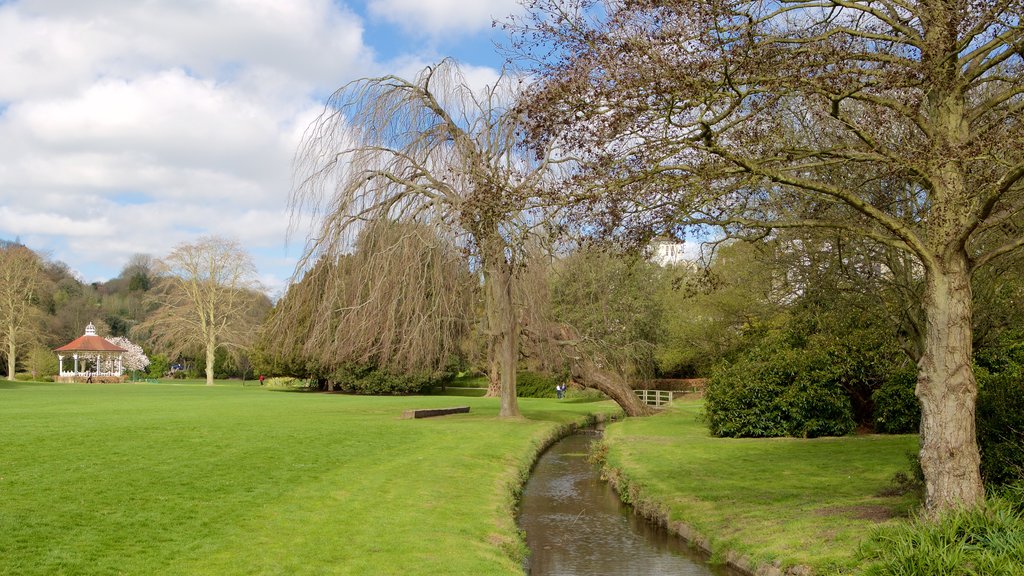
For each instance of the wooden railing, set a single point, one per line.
(656, 398)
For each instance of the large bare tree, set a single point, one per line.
(433, 151)
(20, 281)
(208, 297)
(897, 121)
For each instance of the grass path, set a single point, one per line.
(189, 479)
(784, 500)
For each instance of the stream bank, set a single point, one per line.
(576, 524)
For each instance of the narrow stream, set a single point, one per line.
(575, 524)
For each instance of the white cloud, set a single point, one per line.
(436, 17)
(130, 126)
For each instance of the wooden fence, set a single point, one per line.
(656, 398)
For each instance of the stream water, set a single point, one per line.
(575, 524)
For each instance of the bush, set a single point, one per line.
(536, 385)
(744, 398)
(288, 382)
(897, 410)
(1000, 425)
(158, 366)
(368, 379)
(987, 540)
(23, 377)
(774, 389)
(585, 395)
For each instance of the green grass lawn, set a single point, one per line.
(181, 478)
(789, 500)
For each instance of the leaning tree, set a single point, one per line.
(431, 151)
(895, 121)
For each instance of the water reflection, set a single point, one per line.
(576, 525)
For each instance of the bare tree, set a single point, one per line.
(431, 151)
(207, 294)
(895, 121)
(20, 281)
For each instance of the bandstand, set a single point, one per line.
(90, 358)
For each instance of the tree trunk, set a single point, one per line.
(948, 392)
(211, 355)
(493, 371)
(588, 373)
(12, 358)
(502, 311)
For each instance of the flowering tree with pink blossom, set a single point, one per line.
(134, 358)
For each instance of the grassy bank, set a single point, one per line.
(188, 479)
(785, 501)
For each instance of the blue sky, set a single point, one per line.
(129, 127)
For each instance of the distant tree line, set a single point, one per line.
(48, 305)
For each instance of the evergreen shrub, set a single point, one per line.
(1000, 425)
(897, 409)
(536, 385)
(774, 389)
(371, 380)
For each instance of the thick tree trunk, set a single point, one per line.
(506, 334)
(590, 375)
(948, 391)
(211, 355)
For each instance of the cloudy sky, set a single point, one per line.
(129, 126)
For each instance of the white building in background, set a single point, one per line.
(667, 252)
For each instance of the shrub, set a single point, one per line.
(23, 377)
(1000, 425)
(897, 410)
(158, 366)
(287, 382)
(536, 385)
(41, 362)
(774, 389)
(368, 379)
(585, 395)
(744, 398)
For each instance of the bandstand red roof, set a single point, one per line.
(90, 343)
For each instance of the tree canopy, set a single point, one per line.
(896, 122)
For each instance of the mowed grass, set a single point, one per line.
(785, 500)
(176, 478)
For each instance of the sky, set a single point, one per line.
(131, 126)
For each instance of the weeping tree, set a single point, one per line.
(430, 151)
(401, 302)
(895, 121)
